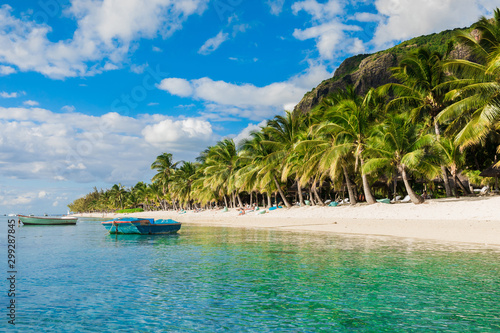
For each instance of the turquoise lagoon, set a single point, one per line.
(211, 279)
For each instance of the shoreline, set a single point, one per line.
(465, 220)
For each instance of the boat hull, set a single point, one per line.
(141, 226)
(36, 220)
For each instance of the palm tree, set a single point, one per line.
(399, 143)
(282, 133)
(165, 167)
(350, 122)
(118, 194)
(182, 181)
(220, 168)
(488, 39)
(255, 170)
(423, 87)
(323, 152)
(453, 158)
(476, 109)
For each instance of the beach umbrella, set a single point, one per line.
(492, 171)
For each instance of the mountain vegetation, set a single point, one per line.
(425, 120)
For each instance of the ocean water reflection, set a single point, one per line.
(80, 279)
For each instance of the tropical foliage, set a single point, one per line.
(418, 131)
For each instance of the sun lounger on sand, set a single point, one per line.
(485, 190)
(406, 199)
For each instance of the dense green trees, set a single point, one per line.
(417, 130)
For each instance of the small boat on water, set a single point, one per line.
(132, 225)
(47, 220)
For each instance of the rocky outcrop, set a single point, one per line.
(373, 70)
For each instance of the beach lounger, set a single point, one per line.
(485, 190)
(406, 199)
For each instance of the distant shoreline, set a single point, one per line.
(467, 220)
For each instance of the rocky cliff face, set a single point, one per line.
(373, 70)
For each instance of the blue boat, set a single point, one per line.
(132, 225)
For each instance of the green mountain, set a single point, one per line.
(365, 71)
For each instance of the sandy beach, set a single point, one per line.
(468, 220)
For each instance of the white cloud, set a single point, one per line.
(330, 37)
(31, 103)
(100, 35)
(213, 43)
(41, 144)
(138, 69)
(247, 100)
(245, 133)
(276, 6)
(19, 199)
(172, 133)
(5, 94)
(6, 70)
(319, 11)
(404, 19)
(68, 108)
(175, 86)
(157, 49)
(328, 29)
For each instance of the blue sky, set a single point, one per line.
(91, 91)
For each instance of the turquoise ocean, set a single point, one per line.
(214, 279)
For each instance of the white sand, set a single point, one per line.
(470, 220)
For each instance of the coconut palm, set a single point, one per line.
(423, 88)
(476, 108)
(349, 123)
(399, 143)
(453, 158)
(256, 151)
(220, 169)
(278, 136)
(488, 39)
(182, 181)
(323, 152)
(118, 195)
(165, 167)
(282, 133)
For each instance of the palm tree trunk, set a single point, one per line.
(455, 181)
(285, 201)
(395, 188)
(416, 199)
(239, 199)
(310, 195)
(299, 192)
(352, 197)
(269, 203)
(465, 189)
(225, 201)
(316, 195)
(447, 186)
(444, 173)
(366, 186)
